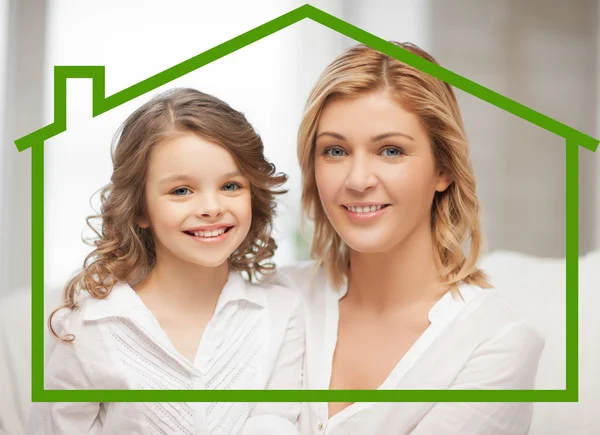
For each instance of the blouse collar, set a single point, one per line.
(124, 302)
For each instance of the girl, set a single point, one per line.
(164, 305)
(393, 300)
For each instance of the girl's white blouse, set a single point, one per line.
(255, 340)
(477, 342)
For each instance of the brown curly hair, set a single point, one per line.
(124, 252)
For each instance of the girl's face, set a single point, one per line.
(375, 171)
(197, 201)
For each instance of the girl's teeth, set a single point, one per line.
(209, 233)
(366, 209)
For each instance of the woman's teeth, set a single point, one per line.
(366, 209)
(211, 233)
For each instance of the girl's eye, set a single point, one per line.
(334, 152)
(231, 187)
(391, 152)
(181, 191)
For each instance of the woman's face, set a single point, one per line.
(375, 171)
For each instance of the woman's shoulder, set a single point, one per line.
(496, 320)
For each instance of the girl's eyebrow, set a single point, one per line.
(233, 174)
(174, 178)
(373, 139)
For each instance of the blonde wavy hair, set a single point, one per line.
(454, 212)
(124, 252)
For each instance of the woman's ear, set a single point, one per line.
(443, 181)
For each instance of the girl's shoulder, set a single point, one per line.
(77, 336)
(79, 319)
(68, 320)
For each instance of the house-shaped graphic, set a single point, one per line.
(101, 104)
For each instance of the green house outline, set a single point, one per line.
(101, 104)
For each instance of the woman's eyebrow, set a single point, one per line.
(332, 134)
(373, 139)
(390, 134)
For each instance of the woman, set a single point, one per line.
(393, 300)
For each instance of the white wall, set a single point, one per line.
(4, 139)
(597, 154)
(540, 53)
(395, 20)
(22, 105)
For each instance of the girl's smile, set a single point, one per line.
(210, 233)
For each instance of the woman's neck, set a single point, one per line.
(404, 277)
(182, 285)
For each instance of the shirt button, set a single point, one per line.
(320, 426)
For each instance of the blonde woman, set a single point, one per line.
(394, 300)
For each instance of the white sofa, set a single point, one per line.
(534, 286)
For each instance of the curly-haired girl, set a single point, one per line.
(168, 299)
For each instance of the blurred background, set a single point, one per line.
(544, 54)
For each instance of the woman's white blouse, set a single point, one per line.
(477, 342)
(255, 340)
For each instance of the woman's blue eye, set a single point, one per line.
(231, 186)
(181, 191)
(335, 152)
(391, 152)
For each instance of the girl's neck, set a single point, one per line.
(404, 277)
(180, 284)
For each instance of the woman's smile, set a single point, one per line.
(365, 212)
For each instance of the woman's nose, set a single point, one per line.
(361, 177)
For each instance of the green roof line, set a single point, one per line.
(103, 104)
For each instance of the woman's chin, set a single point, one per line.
(371, 246)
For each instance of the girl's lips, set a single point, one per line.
(366, 216)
